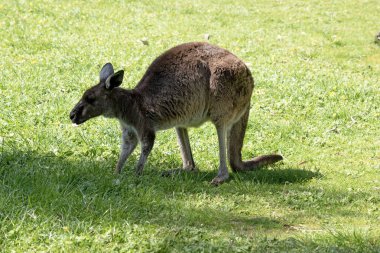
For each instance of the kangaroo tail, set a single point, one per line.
(235, 145)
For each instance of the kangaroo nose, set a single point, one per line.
(72, 114)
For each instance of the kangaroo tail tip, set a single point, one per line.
(273, 158)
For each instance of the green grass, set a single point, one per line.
(316, 101)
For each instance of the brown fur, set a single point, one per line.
(184, 87)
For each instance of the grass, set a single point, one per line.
(316, 102)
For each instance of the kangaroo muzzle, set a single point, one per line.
(75, 114)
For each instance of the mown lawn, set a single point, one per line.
(316, 101)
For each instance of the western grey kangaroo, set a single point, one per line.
(184, 87)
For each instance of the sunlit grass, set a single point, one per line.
(316, 102)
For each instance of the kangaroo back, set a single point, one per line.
(195, 82)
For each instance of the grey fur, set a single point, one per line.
(184, 87)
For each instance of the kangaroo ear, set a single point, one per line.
(106, 71)
(114, 80)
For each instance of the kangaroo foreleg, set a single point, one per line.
(147, 142)
(184, 145)
(128, 144)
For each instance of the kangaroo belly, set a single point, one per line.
(184, 123)
(189, 112)
(194, 120)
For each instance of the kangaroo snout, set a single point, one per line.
(75, 114)
(72, 115)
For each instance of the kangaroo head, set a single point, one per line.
(96, 100)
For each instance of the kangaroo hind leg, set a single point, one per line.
(235, 145)
(223, 169)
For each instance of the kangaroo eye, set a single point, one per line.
(90, 99)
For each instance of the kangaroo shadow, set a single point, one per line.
(79, 193)
(69, 190)
(277, 175)
(266, 175)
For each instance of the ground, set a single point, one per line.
(316, 101)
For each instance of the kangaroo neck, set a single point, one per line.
(125, 106)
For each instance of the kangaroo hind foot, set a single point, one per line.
(235, 145)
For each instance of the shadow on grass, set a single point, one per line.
(278, 175)
(45, 188)
(265, 175)
(67, 190)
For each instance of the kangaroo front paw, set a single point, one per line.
(190, 169)
(117, 171)
(220, 179)
(139, 171)
(169, 173)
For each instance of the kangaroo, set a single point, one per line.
(184, 87)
